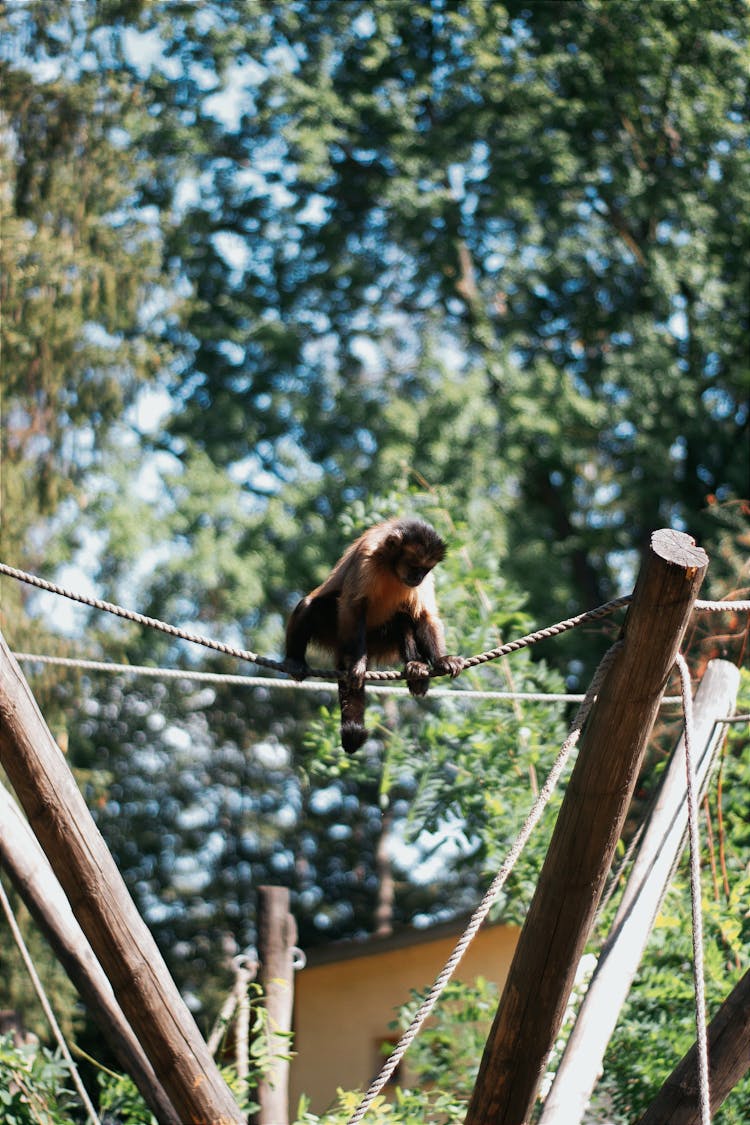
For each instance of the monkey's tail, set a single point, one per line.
(352, 700)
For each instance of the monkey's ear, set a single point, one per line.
(394, 539)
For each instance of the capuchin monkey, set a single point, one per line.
(378, 603)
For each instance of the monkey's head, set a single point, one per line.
(413, 548)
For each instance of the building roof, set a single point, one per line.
(401, 938)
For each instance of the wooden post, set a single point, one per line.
(660, 849)
(588, 827)
(105, 911)
(35, 882)
(277, 936)
(678, 1101)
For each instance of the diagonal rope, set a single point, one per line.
(549, 631)
(695, 897)
(278, 665)
(492, 892)
(46, 1006)
(140, 618)
(372, 676)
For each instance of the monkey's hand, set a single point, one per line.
(449, 666)
(297, 669)
(417, 677)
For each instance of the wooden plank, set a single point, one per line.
(104, 909)
(586, 833)
(659, 851)
(33, 878)
(277, 936)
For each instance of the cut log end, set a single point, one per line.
(679, 549)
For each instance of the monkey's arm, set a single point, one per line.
(426, 649)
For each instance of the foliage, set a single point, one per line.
(120, 1100)
(195, 808)
(35, 1089)
(407, 1107)
(471, 231)
(446, 1054)
(18, 992)
(34, 1082)
(82, 273)
(34, 1085)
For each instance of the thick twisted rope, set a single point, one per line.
(492, 892)
(550, 631)
(724, 607)
(278, 665)
(140, 618)
(383, 675)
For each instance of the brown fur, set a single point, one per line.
(377, 602)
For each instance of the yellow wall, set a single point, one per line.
(342, 1009)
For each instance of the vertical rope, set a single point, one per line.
(222, 1022)
(491, 894)
(695, 897)
(46, 1006)
(245, 968)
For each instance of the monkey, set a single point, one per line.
(377, 602)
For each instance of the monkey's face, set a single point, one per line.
(413, 575)
(413, 549)
(412, 569)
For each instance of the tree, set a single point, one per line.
(82, 271)
(556, 190)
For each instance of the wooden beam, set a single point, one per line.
(586, 833)
(104, 909)
(277, 936)
(35, 882)
(678, 1101)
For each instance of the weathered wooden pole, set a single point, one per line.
(277, 936)
(104, 909)
(659, 851)
(586, 833)
(33, 878)
(678, 1101)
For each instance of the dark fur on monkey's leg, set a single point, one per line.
(352, 700)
